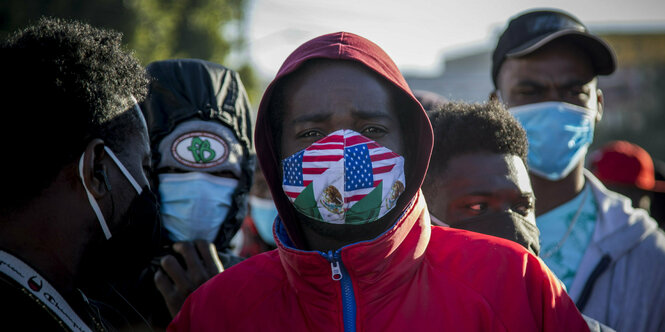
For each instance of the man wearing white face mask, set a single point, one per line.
(545, 69)
(200, 129)
(75, 191)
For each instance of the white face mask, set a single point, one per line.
(91, 199)
(194, 205)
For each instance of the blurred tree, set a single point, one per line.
(154, 29)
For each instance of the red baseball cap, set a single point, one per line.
(624, 163)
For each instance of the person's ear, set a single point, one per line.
(600, 99)
(494, 97)
(94, 172)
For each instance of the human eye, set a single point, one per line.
(311, 133)
(527, 94)
(527, 90)
(373, 131)
(524, 207)
(577, 90)
(477, 208)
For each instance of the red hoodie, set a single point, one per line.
(412, 277)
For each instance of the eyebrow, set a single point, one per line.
(529, 195)
(312, 117)
(320, 117)
(529, 83)
(479, 193)
(364, 114)
(565, 84)
(574, 83)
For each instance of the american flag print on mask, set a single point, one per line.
(344, 178)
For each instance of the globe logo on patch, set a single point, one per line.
(200, 149)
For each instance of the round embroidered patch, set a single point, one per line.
(200, 149)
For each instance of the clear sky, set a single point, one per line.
(415, 33)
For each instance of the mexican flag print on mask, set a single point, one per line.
(344, 178)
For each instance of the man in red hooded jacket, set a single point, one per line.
(344, 147)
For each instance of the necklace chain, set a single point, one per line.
(563, 239)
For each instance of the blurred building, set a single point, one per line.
(634, 94)
(630, 92)
(465, 76)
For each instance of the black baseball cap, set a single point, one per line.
(532, 30)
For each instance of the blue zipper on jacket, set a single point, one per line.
(340, 274)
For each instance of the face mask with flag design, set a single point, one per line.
(344, 178)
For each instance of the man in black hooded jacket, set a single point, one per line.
(200, 127)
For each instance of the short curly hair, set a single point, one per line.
(68, 83)
(461, 128)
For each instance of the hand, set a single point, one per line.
(176, 282)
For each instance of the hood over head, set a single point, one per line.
(202, 94)
(343, 46)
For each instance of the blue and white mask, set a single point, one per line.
(264, 213)
(559, 135)
(194, 205)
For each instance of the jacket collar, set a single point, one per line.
(619, 227)
(380, 264)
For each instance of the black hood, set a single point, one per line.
(188, 89)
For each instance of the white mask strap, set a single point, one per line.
(436, 221)
(124, 171)
(93, 201)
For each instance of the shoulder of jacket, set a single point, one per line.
(652, 247)
(481, 245)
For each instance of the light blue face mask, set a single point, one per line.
(559, 135)
(194, 205)
(264, 213)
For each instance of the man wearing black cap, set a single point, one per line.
(545, 70)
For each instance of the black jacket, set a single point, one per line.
(187, 89)
(182, 90)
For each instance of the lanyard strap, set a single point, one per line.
(30, 280)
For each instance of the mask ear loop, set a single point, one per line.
(91, 199)
(436, 221)
(124, 171)
(93, 202)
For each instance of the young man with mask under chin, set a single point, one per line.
(344, 146)
(545, 69)
(200, 128)
(75, 194)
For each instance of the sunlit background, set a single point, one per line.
(418, 34)
(440, 46)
